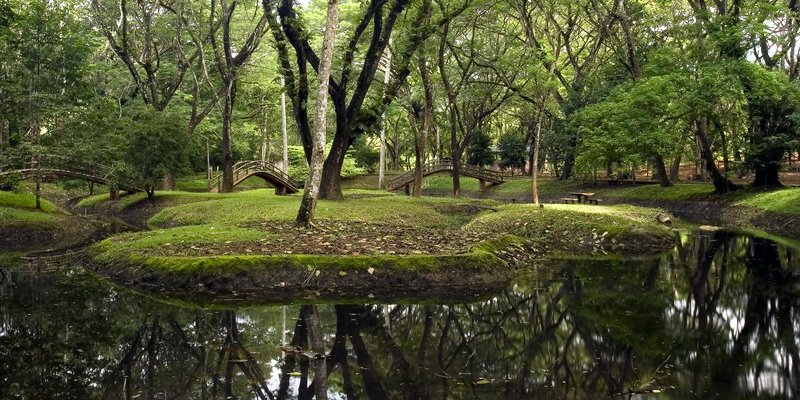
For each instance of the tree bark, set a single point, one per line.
(382, 162)
(661, 171)
(285, 148)
(675, 169)
(421, 140)
(380, 16)
(305, 215)
(227, 136)
(721, 183)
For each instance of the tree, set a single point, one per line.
(365, 155)
(512, 151)
(349, 90)
(305, 215)
(479, 151)
(474, 92)
(150, 38)
(581, 30)
(229, 59)
(156, 145)
(46, 49)
(774, 114)
(639, 119)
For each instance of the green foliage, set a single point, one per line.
(479, 151)
(45, 48)
(298, 167)
(637, 121)
(365, 156)
(774, 109)
(156, 146)
(513, 153)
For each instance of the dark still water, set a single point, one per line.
(717, 318)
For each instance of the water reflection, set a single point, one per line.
(715, 318)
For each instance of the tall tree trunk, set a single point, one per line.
(455, 152)
(331, 183)
(227, 135)
(438, 141)
(721, 183)
(285, 148)
(382, 161)
(421, 140)
(305, 215)
(569, 161)
(661, 170)
(537, 137)
(767, 175)
(675, 168)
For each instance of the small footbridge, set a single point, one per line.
(267, 171)
(46, 166)
(483, 175)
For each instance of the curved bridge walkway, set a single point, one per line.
(50, 165)
(264, 170)
(483, 175)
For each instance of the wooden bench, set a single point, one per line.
(594, 201)
(569, 200)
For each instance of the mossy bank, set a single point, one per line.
(25, 228)
(245, 244)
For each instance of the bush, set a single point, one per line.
(298, 167)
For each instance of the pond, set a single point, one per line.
(716, 318)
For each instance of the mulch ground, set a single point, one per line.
(338, 238)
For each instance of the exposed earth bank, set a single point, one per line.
(728, 215)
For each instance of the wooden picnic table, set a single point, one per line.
(583, 197)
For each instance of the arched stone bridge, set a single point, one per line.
(267, 171)
(434, 167)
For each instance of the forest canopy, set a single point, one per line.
(157, 88)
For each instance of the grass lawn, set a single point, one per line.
(676, 192)
(19, 208)
(24, 201)
(785, 200)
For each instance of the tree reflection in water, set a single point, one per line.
(715, 318)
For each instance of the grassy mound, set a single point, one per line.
(246, 241)
(24, 228)
(580, 228)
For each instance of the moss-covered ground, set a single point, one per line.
(783, 200)
(23, 227)
(239, 236)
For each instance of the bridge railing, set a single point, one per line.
(244, 168)
(447, 165)
(65, 163)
